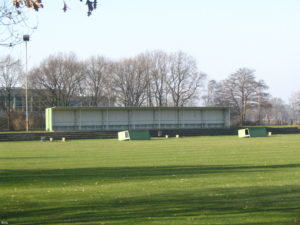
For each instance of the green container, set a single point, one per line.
(134, 135)
(252, 132)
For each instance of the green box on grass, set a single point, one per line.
(252, 132)
(133, 135)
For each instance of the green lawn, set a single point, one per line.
(203, 180)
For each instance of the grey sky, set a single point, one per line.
(223, 35)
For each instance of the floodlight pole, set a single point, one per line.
(26, 39)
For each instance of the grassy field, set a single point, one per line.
(203, 180)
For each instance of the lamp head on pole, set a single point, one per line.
(26, 37)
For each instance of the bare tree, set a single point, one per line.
(144, 66)
(295, 100)
(277, 113)
(295, 107)
(209, 99)
(13, 24)
(58, 79)
(15, 20)
(184, 79)
(158, 71)
(262, 100)
(10, 74)
(97, 75)
(241, 91)
(130, 82)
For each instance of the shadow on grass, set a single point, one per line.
(119, 174)
(236, 206)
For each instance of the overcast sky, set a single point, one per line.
(223, 35)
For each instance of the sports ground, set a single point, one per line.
(199, 180)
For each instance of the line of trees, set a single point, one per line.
(249, 100)
(148, 79)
